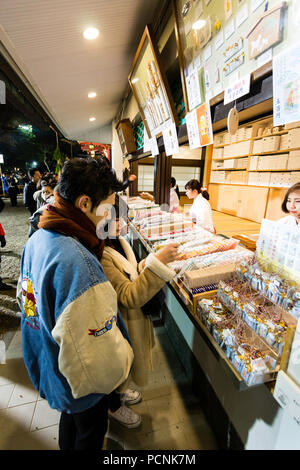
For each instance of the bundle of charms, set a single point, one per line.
(272, 285)
(267, 320)
(253, 359)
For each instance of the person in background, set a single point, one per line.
(135, 284)
(174, 196)
(47, 197)
(127, 182)
(13, 191)
(30, 188)
(47, 184)
(291, 206)
(75, 344)
(200, 211)
(3, 286)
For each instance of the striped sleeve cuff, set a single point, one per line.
(159, 268)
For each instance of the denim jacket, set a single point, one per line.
(75, 344)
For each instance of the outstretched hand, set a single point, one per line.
(168, 253)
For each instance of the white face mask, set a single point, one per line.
(47, 197)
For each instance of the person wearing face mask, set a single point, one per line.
(76, 347)
(135, 285)
(46, 197)
(291, 206)
(47, 186)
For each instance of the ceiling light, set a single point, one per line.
(199, 24)
(92, 94)
(91, 33)
(92, 119)
(135, 80)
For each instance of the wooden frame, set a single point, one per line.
(150, 86)
(267, 32)
(180, 53)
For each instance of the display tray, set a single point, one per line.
(188, 298)
(211, 343)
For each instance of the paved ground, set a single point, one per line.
(14, 221)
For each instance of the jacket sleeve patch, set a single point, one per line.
(29, 304)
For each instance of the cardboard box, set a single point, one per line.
(280, 179)
(294, 177)
(237, 150)
(217, 164)
(294, 160)
(253, 162)
(206, 276)
(287, 394)
(259, 179)
(238, 177)
(263, 163)
(257, 146)
(230, 163)
(271, 144)
(294, 136)
(242, 163)
(279, 162)
(285, 142)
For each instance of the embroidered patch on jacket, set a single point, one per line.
(108, 326)
(29, 304)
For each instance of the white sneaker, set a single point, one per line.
(126, 417)
(131, 397)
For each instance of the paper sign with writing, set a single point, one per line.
(205, 124)
(147, 145)
(238, 89)
(170, 140)
(286, 86)
(193, 89)
(154, 146)
(192, 129)
(242, 15)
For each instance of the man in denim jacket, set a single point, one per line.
(75, 345)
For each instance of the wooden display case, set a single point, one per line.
(125, 135)
(150, 87)
(251, 171)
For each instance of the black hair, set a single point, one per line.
(173, 183)
(87, 176)
(31, 172)
(205, 194)
(48, 182)
(121, 207)
(194, 184)
(292, 189)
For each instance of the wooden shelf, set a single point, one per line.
(259, 200)
(274, 152)
(232, 143)
(233, 169)
(270, 135)
(252, 185)
(235, 184)
(230, 158)
(252, 171)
